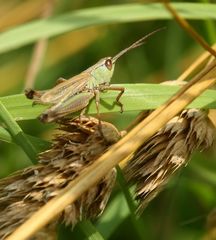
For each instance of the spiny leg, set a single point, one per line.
(97, 102)
(121, 89)
(82, 114)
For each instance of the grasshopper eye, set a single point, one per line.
(108, 63)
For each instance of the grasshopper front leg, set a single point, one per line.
(121, 89)
(97, 102)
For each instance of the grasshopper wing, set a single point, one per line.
(65, 89)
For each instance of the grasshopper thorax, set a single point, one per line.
(102, 71)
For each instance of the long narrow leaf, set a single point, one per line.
(5, 135)
(31, 32)
(111, 219)
(39, 144)
(137, 97)
(18, 135)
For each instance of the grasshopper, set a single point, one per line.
(74, 94)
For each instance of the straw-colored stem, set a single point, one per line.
(194, 66)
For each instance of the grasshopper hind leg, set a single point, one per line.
(64, 108)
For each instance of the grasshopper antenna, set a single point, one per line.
(138, 43)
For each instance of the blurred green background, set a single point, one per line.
(180, 211)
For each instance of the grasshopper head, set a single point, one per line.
(103, 70)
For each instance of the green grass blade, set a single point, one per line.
(123, 184)
(210, 27)
(90, 231)
(5, 135)
(137, 223)
(137, 97)
(40, 144)
(204, 173)
(17, 133)
(113, 217)
(31, 32)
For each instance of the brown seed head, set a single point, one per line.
(78, 145)
(168, 150)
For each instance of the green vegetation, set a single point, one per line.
(79, 34)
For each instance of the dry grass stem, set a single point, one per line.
(168, 150)
(75, 148)
(200, 62)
